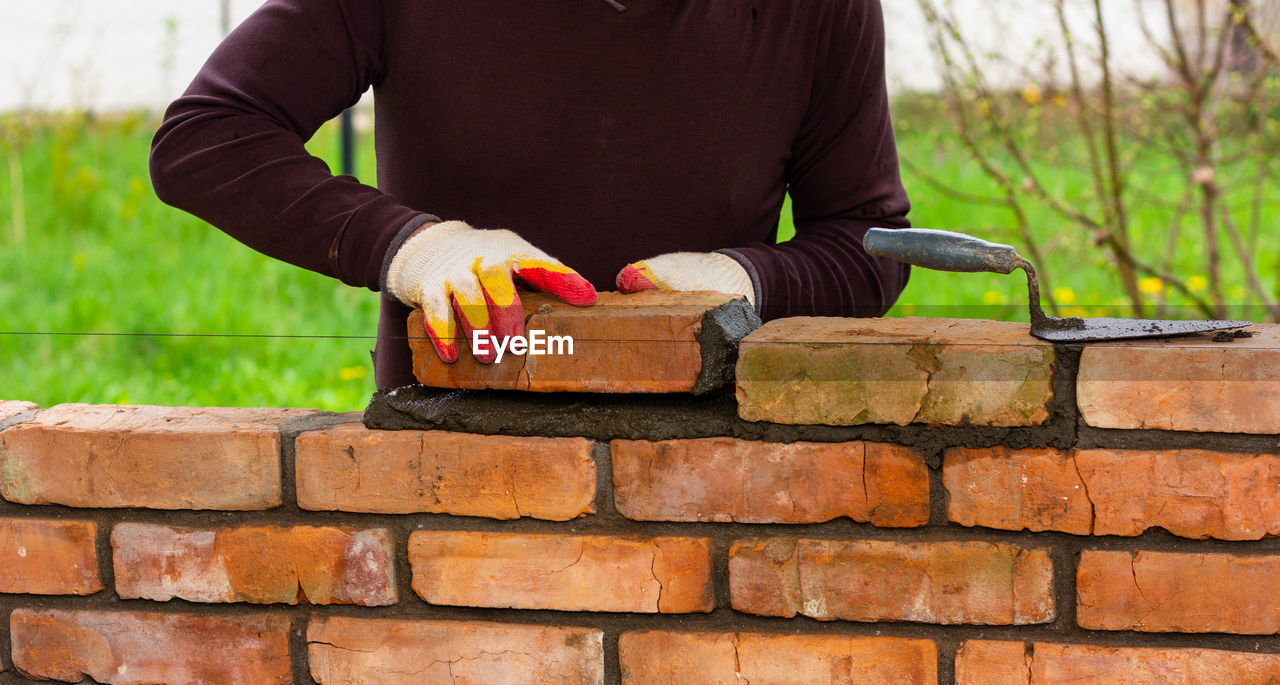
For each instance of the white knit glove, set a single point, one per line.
(688, 271)
(451, 268)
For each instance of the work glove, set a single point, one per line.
(451, 269)
(688, 271)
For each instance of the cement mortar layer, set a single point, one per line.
(676, 416)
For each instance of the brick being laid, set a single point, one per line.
(646, 342)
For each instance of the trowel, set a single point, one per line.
(950, 251)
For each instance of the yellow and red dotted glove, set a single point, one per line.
(452, 270)
(688, 271)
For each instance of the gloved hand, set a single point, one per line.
(688, 271)
(451, 268)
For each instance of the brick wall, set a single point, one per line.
(879, 501)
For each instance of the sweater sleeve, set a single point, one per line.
(231, 148)
(843, 178)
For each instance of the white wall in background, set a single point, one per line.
(123, 54)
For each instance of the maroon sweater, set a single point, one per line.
(601, 134)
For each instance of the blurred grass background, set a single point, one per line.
(85, 247)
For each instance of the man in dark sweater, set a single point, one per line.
(601, 131)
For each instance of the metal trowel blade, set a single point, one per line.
(1092, 330)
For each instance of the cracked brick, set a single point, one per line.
(41, 557)
(348, 651)
(563, 572)
(352, 468)
(134, 648)
(1216, 387)
(150, 457)
(948, 583)
(1066, 663)
(1190, 493)
(260, 565)
(894, 371)
(729, 480)
(744, 658)
(1034, 489)
(1178, 592)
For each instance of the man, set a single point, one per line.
(600, 131)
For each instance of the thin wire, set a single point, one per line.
(1238, 343)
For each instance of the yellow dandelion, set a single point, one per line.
(1060, 99)
(984, 107)
(992, 297)
(1064, 295)
(1151, 286)
(1197, 283)
(352, 373)
(1075, 311)
(1032, 94)
(1237, 292)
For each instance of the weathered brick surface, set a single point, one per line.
(894, 371)
(124, 648)
(1185, 384)
(985, 662)
(1191, 493)
(41, 557)
(154, 457)
(565, 572)
(353, 651)
(352, 468)
(662, 658)
(937, 582)
(11, 408)
(723, 479)
(262, 565)
(1178, 592)
(998, 487)
(1059, 663)
(643, 342)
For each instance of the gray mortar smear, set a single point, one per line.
(722, 329)
(675, 416)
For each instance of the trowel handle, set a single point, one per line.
(942, 250)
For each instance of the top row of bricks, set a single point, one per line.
(843, 372)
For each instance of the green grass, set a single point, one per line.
(95, 252)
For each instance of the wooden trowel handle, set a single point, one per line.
(942, 250)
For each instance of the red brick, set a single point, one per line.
(40, 557)
(1179, 592)
(566, 572)
(48, 557)
(1191, 493)
(1185, 384)
(353, 651)
(644, 342)
(661, 658)
(1056, 663)
(983, 662)
(1035, 489)
(124, 648)
(352, 468)
(935, 582)
(722, 479)
(152, 457)
(894, 371)
(11, 408)
(267, 565)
